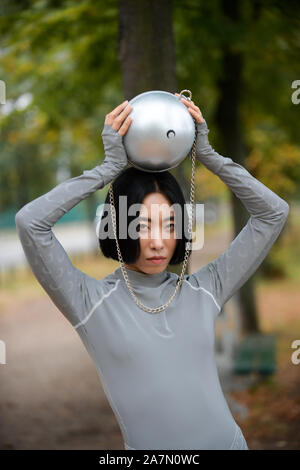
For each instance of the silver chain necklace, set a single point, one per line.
(188, 244)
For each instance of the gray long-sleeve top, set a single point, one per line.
(158, 370)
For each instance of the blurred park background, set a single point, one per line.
(64, 65)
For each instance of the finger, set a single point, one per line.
(192, 106)
(196, 115)
(177, 94)
(123, 129)
(182, 96)
(195, 112)
(112, 118)
(125, 111)
(188, 102)
(119, 108)
(120, 118)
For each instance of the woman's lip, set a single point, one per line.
(156, 261)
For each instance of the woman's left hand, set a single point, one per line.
(193, 109)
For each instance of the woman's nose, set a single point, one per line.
(157, 239)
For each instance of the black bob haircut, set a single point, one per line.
(136, 184)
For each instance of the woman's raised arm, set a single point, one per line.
(67, 286)
(268, 213)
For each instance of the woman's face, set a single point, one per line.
(157, 235)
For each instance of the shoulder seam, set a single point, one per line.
(82, 322)
(207, 292)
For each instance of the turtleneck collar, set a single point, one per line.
(147, 280)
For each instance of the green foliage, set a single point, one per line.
(64, 54)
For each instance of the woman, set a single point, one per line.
(158, 370)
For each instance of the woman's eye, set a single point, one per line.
(144, 226)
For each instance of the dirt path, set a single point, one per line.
(50, 394)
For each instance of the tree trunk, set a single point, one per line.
(147, 55)
(228, 120)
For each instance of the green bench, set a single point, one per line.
(255, 353)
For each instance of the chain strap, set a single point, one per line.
(188, 244)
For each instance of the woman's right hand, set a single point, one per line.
(116, 117)
(116, 125)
